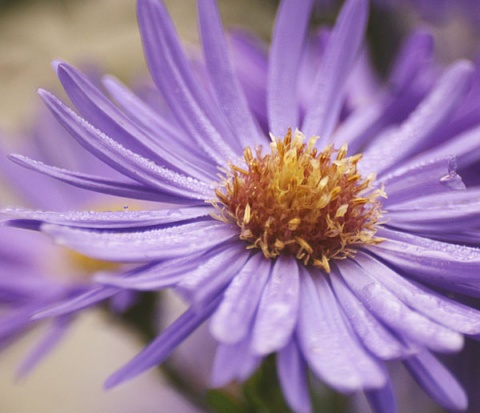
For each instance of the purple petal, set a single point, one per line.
(278, 308)
(223, 77)
(443, 310)
(141, 246)
(415, 53)
(149, 277)
(83, 300)
(106, 220)
(445, 212)
(330, 348)
(292, 374)
(431, 115)
(463, 146)
(449, 266)
(285, 51)
(410, 183)
(99, 184)
(173, 76)
(103, 115)
(251, 64)
(123, 160)
(49, 342)
(329, 89)
(233, 361)
(231, 322)
(160, 348)
(212, 273)
(161, 127)
(395, 314)
(373, 334)
(437, 381)
(382, 400)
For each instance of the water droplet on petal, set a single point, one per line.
(453, 181)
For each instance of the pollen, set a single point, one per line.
(298, 201)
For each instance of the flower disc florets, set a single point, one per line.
(301, 202)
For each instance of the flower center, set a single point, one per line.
(301, 202)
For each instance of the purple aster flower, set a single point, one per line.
(326, 231)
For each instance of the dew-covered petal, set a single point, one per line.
(430, 115)
(329, 88)
(285, 51)
(102, 184)
(464, 146)
(172, 137)
(231, 322)
(382, 400)
(449, 266)
(103, 115)
(411, 183)
(113, 220)
(122, 159)
(292, 374)
(172, 74)
(233, 362)
(373, 334)
(394, 313)
(437, 307)
(161, 347)
(50, 340)
(437, 381)
(223, 77)
(439, 213)
(277, 312)
(329, 347)
(141, 246)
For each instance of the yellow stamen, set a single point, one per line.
(301, 202)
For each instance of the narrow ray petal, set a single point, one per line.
(426, 301)
(142, 246)
(100, 184)
(330, 349)
(233, 362)
(223, 77)
(103, 115)
(160, 348)
(329, 89)
(105, 220)
(292, 374)
(382, 400)
(450, 266)
(173, 138)
(378, 339)
(120, 158)
(231, 321)
(213, 273)
(399, 317)
(277, 311)
(285, 51)
(431, 177)
(51, 339)
(432, 114)
(437, 381)
(173, 76)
